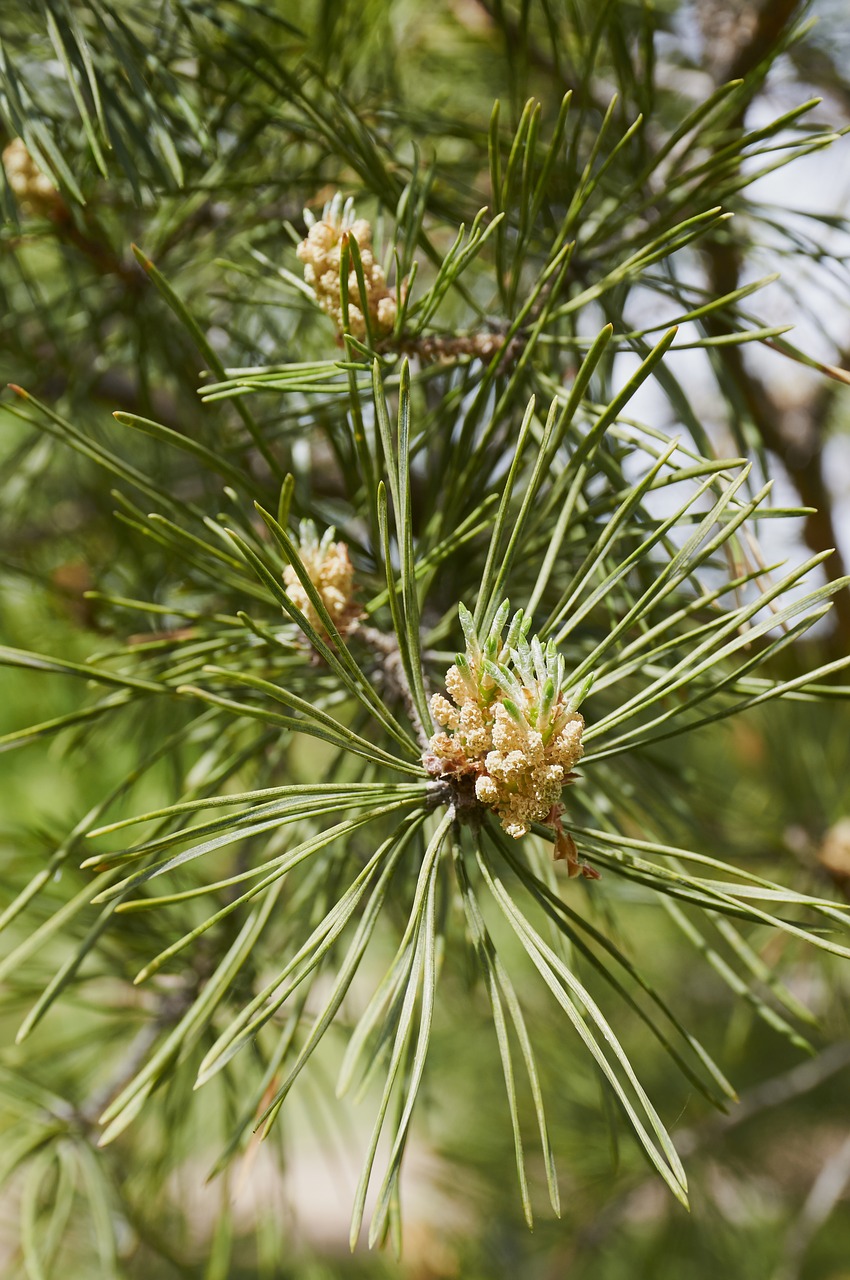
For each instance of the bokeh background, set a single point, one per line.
(80, 329)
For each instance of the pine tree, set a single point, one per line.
(407, 591)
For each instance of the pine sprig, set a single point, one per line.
(320, 538)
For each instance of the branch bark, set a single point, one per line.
(800, 454)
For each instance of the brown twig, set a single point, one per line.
(799, 453)
(827, 1189)
(171, 1007)
(772, 1093)
(386, 647)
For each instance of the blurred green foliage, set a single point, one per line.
(223, 120)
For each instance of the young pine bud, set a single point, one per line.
(514, 739)
(321, 253)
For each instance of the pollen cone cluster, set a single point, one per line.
(34, 191)
(509, 730)
(321, 254)
(331, 572)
